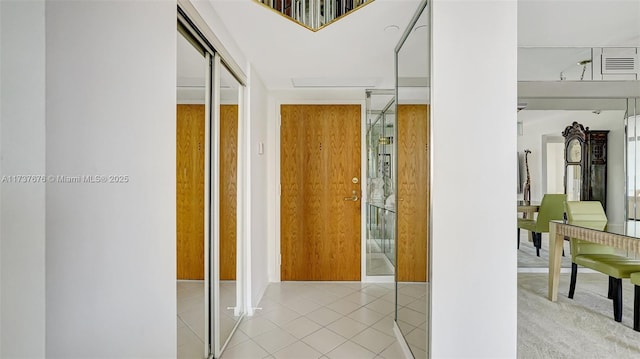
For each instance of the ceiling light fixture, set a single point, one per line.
(314, 14)
(584, 64)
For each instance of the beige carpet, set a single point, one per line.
(578, 328)
(527, 253)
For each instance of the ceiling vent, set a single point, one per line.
(615, 63)
(619, 64)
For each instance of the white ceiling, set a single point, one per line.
(356, 50)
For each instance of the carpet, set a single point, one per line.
(527, 253)
(582, 327)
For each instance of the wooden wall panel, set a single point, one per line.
(320, 154)
(190, 191)
(413, 194)
(228, 190)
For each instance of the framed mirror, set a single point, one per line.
(413, 182)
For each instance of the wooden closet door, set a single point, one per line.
(190, 191)
(319, 157)
(413, 194)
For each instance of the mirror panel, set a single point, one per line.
(632, 151)
(230, 270)
(209, 133)
(191, 229)
(573, 182)
(380, 205)
(413, 184)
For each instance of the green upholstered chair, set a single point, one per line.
(595, 256)
(635, 280)
(551, 208)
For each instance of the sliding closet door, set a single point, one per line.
(192, 204)
(215, 208)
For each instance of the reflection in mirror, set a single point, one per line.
(573, 182)
(190, 203)
(544, 120)
(380, 256)
(412, 174)
(230, 303)
(632, 126)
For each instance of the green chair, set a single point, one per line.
(595, 256)
(551, 208)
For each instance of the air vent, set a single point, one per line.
(619, 64)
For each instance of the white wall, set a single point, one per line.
(22, 205)
(537, 123)
(259, 187)
(110, 256)
(473, 268)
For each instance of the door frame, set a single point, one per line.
(275, 255)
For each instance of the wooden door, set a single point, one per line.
(228, 190)
(413, 193)
(319, 157)
(190, 191)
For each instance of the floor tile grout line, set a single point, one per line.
(191, 329)
(329, 329)
(334, 296)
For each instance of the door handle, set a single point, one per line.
(353, 198)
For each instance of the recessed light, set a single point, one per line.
(392, 28)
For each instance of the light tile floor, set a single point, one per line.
(191, 318)
(378, 262)
(317, 320)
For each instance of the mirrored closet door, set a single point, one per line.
(230, 288)
(209, 212)
(413, 183)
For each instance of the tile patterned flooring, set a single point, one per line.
(311, 320)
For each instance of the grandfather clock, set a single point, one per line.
(585, 165)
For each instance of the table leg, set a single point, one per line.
(556, 243)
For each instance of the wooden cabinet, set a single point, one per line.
(585, 164)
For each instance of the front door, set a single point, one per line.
(320, 192)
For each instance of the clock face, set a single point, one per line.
(574, 153)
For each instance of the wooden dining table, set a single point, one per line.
(625, 236)
(528, 208)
